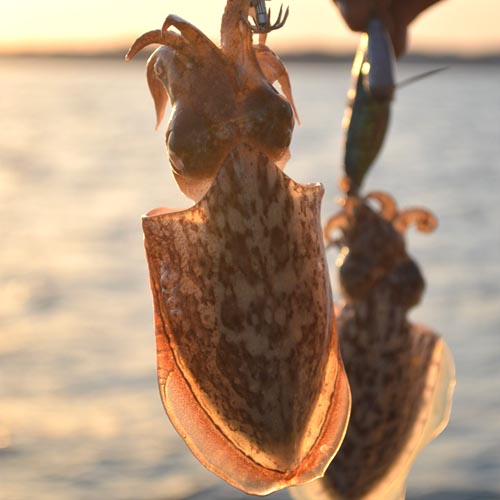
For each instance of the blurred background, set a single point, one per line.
(80, 413)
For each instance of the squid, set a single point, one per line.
(401, 374)
(218, 96)
(248, 360)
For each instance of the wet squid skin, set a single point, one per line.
(401, 374)
(249, 365)
(220, 96)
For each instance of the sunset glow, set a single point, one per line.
(458, 26)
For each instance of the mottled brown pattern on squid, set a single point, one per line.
(391, 364)
(387, 367)
(247, 306)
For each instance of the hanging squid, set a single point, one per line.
(219, 96)
(401, 374)
(249, 367)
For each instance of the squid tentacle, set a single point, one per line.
(275, 71)
(184, 51)
(286, 87)
(425, 221)
(338, 221)
(157, 89)
(190, 32)
(388, 207)
(156, 36)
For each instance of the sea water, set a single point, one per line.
(80, 414)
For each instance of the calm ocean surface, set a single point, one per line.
(80, 414)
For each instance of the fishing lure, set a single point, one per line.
(249, 367)
(401, 374)
(262, 17)
(367, 114)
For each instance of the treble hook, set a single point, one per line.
(262, 19)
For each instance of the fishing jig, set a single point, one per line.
(262, 17)
(367, 114)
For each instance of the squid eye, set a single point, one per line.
(159, 69)
(176, 163)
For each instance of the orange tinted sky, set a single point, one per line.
(464, 26)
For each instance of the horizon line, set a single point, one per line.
(291, 55)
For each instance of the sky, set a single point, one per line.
(459, 26)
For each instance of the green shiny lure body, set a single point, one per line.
(366, 118)
(365, 133)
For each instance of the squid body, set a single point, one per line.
(401, 374)
(249, 367)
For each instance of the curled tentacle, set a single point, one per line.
(337, 222)
(388, 206)
(204, 46)
(275, 71)
(156, 36)
(284, 81)
(157, 89)
(424, 220)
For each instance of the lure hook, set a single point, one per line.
(262, 19)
